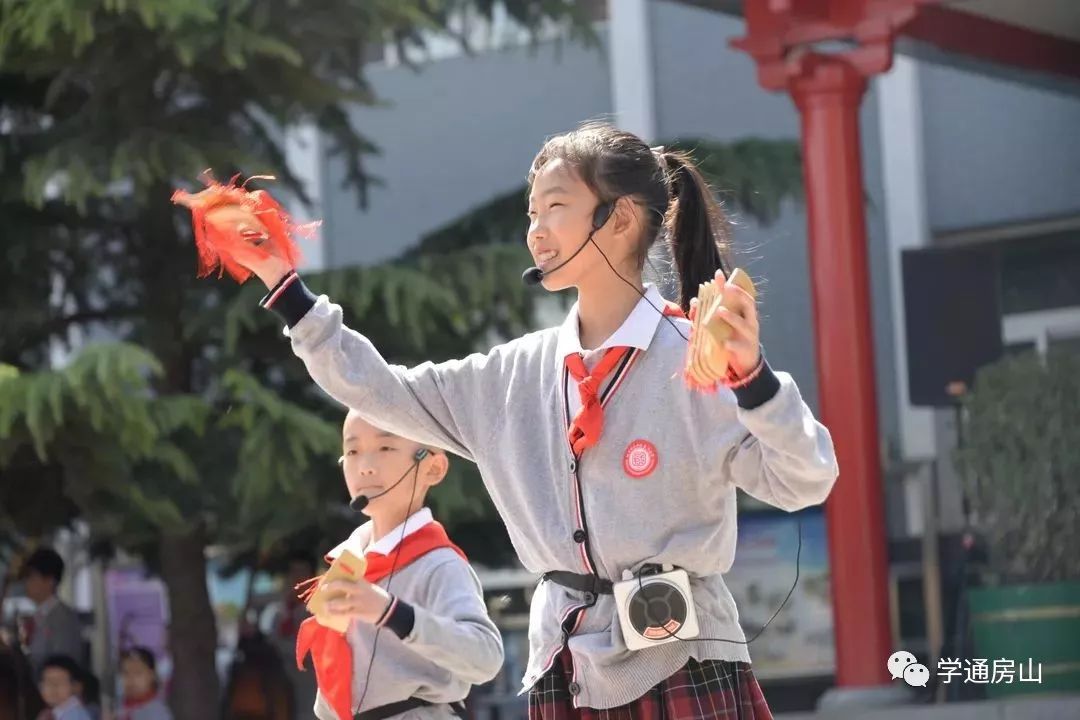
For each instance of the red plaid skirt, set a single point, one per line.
(709, 690)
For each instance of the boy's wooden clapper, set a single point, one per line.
(346, 566)
(706, 358)
(228, 218)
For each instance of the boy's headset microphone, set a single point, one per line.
(657, 610)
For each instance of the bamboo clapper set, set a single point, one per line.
(706, 358)
(346, 566)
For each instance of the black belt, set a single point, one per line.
(582, 583)
(388, 711)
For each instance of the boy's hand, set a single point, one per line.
(360, 599)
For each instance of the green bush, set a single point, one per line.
(1021, 463)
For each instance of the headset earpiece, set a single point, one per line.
(601, 215)
(420, 454)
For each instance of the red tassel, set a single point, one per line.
(308, 587)
(214, 245)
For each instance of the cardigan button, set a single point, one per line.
(579, 536)
(590, 599)
(574, 688)
(573, 466)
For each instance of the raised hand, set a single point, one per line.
(241, 232)
(739, 311)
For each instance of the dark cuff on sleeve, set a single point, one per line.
(400, 618)
(289, 299)
(760, 390)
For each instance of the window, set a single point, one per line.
(1040, 273)
(1040, 290)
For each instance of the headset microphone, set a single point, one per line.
(360, 502)
(534, 276)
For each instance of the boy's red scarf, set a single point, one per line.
(330, 651)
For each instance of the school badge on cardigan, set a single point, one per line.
(640, 459)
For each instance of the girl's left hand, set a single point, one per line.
(739, 310)
(361, 600)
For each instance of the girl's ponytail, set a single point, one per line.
(697, 228)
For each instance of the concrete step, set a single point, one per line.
(1051, 707)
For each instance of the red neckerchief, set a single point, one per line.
(134, 703)
(138, 700)
(587, 425)
(330, 651)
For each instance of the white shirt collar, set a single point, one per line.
(636, 331)
(359, 543)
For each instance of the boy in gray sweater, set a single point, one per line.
(418, 634)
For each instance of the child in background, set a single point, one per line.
(59, 684)
(142, 699)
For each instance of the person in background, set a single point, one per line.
(141, 688)
(284, 626)
(59, 683)
(19, 696)
(55, 628)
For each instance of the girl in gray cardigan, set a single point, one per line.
(602, 463)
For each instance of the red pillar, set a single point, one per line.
(828, 93)
(783, 37)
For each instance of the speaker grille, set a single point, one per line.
(657, 610)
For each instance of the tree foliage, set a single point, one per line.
(174, 436)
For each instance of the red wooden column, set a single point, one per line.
(828, 97)
(783, 37)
